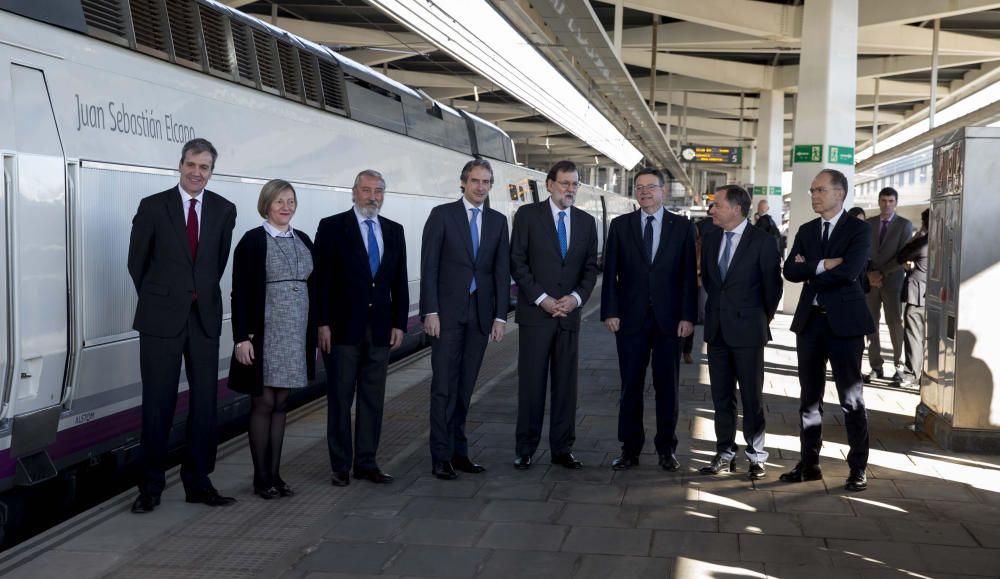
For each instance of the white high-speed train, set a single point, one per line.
(96, 99)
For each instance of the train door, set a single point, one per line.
(36, 225)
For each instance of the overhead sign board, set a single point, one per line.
(807, 154)
(704, 154)
(841, 155)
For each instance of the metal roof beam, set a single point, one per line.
(882, 12)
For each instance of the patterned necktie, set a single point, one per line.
(373, 258)
(724, 260)
(647, 237)
(561, 230)
(826, 239)
(881, 232)
(192, 228)
(475, 244)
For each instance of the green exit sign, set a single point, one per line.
(807, 154)
(841, 155)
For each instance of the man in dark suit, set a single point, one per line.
(464, 296)
(890, 232)
(741, 271)
(177, 254)
(765, 222)
(362, 307)
(828, 256)
(650, 301)
(914, 313)
(553, 258)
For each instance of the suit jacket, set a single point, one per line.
(249, 299)
(632, 285)
(538, 266)
(741, 307)
(348, 299)
(766, 224)
(161, 265)
(837, 290)
(916, 278)
(447, 266)
(883, 255)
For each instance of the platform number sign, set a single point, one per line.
(808, 154)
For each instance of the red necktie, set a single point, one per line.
(192, 225)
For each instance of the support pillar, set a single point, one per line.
(825, 109)
(770, 152)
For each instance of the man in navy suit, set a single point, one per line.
(362, 307)
(464, 296)
(650, 302)
(177, 253)
(829, 256)
(553, 259)
(741, 273)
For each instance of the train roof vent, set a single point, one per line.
(213, 27)
(148, 23)
(106, 16)
(183, 31)
(289, 70)
(243, 47)
(266, 61)
(333, 85)
(310, 77)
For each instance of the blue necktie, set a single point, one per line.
(647, 237)
(561, 229)
(372, 247)
(724, 260)
(475, 245)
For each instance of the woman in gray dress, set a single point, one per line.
(273, 333)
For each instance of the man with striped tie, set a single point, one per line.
(362, 306)
(553, 259)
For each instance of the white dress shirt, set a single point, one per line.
(657, 226)
(186, 204)
(364, 232)
(821, 266)
(737, 236)
(555, 220)
(479, 217)
(275, 232)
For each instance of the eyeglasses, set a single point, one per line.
(644, 188)
(823, 190)
(569, 184)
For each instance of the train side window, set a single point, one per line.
(533, 186)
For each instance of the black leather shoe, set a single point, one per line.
(718, 465)
(857, 481)
(266, 493)
(872, 376)
(340, 478)
(145, 503)
(567, 460)
(625, 462)
(444, 470)
(756, 471)
(282, 487)
(523, 462)
(210, 497)
(376, 475)
(802, 473)
(669, 462)
(463, 464)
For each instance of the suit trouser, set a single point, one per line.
(728, 366)
(914, 318)
(887, 297)
(817, 344)
(543, 349)
(160, 368)
(633, 357)
(361, 370)
(455, 360)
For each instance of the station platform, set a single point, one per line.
(927, 512)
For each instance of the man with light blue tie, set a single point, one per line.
(464, 297)
(553, 259)
(649, 300)
(362, 307)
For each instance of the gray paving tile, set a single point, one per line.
(525, 564)
(523, 536)
(947, 559)
(58, 563)
(840, 527)
(364, 530)
(678, 519)
(440, 532)
(891, 508)
(532, 491)
(443, 508)
(799, 503)
(789, 550)
(789, 570)
(936, 490)
(422, 560)
(859, 554)
(701, 546)
(934, 532)
(759, 523)
(607, 541)
(987, 535)
(603, 567)
(432, 487)
(578, 492)
(349, 557)
(522, 511)
(598, 515)
(659, 495)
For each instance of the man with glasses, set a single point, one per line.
(650, 302)
(553, 259)
(829, 256)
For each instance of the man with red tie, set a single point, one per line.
(177, 253)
